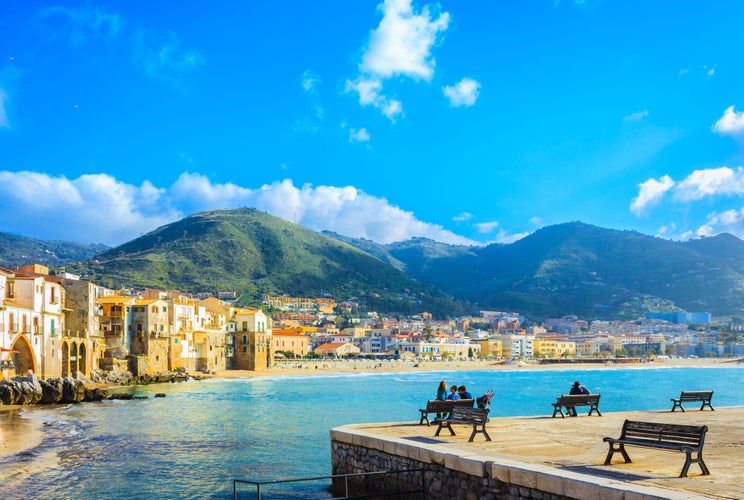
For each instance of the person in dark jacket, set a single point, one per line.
(577, 388)
(463, 392)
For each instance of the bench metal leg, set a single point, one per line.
(677, 404)
(689, 460)
(558, 409)
(707, 403)
(424, 416)
(476, 431)
(619, 447)
(594, 408)
(442, 424)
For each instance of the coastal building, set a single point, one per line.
(290, 340)
(251, 333)
(337, 349)
(33, 322)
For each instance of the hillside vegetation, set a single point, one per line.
(255, 253)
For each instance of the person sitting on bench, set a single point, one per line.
(576, 389)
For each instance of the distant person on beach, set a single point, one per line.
(453, 393)
(463, 392)
(576, 389)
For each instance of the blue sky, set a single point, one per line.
(461, 121)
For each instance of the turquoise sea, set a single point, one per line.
(202, 435)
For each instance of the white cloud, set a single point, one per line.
(463, 93)
(650, 193)
(505, 239)
(360, 135)
(731, 123)
(401, 45)
(4, 123)
(369, 90)
(310, 81)
(711, 182)
(730, 221)
(91, 208)
(100, 208)
(486, 227)
(637, 116)
(462, 217)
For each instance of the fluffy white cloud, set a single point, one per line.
(360, 135)
(369, 90)
(711, 182)
(650, 193)
(401, 45)
(486, 227)
(91, 208)
(730, 221)
(463, 93)
(505, 238)
(4, 123)
(100, 208)
(462, 217)
(637, 116)
(731, 123)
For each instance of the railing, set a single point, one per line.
(336, 479)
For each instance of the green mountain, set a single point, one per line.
(575, 268)
(18, 250)
(255, 253)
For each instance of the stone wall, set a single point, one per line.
(439, 481)
(461, 473)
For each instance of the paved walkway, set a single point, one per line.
(575, 445)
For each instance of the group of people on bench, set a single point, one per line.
(454, 392)
(577, 388)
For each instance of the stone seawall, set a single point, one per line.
(456, 473)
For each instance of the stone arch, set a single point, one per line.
(65, 359)
(83, 359)
(23, 359)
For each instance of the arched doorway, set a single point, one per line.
(24, 357)
(65, 359)
(83, 359)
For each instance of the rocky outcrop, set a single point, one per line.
(21, 390)
(30, 390)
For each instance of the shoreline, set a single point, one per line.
(19, 434)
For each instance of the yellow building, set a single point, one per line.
(553, 348)
(491, 347)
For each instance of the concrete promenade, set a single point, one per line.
(565, 455)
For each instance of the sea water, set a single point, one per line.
(202, 435)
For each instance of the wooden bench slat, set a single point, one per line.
(703, 397)
(673, 437)
(442, 407)
(477, 417)
(573, 400)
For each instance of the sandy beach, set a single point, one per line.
(18, 434)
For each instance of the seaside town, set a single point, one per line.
(62, 326)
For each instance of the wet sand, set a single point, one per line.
(18, 434)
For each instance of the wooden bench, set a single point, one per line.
(673, 437)
(689, 396)
(441, 407)
(573, 400)
(477, 417)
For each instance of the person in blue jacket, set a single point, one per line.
(453, 393)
